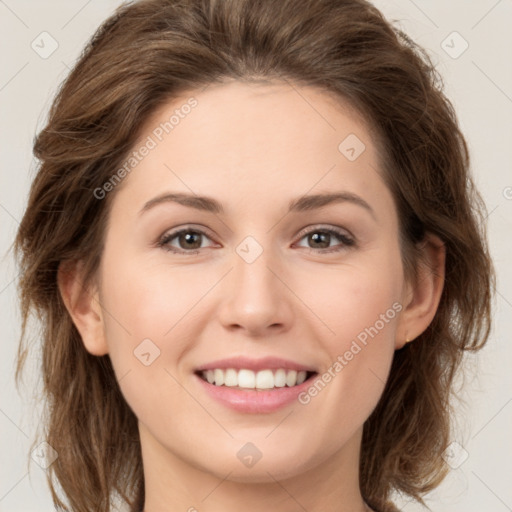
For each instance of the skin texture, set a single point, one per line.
(254, 148)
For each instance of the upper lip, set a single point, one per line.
(270, 363)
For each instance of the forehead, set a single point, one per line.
(255, 140)
(256, 112)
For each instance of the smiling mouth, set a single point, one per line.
(245, 379)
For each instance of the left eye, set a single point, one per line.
(190, 240)
(324, 236)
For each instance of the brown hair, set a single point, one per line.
(151, 51)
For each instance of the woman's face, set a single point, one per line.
(271, 275)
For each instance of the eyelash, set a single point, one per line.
(346, 240)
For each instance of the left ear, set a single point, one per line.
(421, 298)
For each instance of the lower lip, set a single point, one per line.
(252, 400)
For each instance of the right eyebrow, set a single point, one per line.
(198, 202)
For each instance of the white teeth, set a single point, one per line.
(246, 379)
(301, 377)
(280, 378)
(291, 378)
(264, 379)
(231, 377)
(219, 377)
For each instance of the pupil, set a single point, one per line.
(316, 237)
(189, 238)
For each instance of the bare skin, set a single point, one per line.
(254, 149)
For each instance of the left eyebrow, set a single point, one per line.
(316, 201)
(304, 203)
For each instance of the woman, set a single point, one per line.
(258, 257)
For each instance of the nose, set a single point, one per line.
(256, 299)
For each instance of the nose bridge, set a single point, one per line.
(252, 275)
(256, 298)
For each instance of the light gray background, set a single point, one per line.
(479, 82)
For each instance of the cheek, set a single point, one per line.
(150, 301)
(360, 306)
(354, 302)
(145, 311)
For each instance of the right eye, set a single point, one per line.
(189, 241)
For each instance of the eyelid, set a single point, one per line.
(188, 227)
(323, 227)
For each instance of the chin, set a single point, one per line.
(264, 462)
